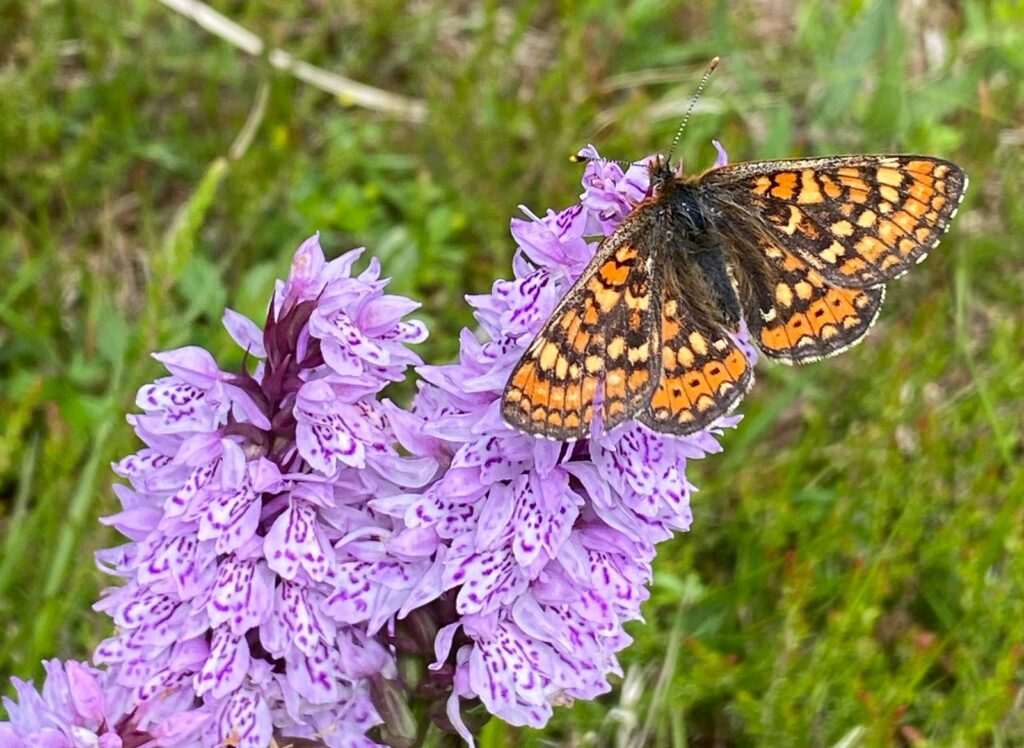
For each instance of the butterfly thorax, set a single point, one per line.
(676, 200)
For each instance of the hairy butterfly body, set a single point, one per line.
(800, 249)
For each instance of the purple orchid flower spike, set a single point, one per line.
(239, 505)
(548, 546)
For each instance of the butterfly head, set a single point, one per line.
(661, 173)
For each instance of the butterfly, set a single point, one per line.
(800, 249)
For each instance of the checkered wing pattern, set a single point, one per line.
(812, 241)
(858, 220)
(597, 352)
(703, 373)
(794, 314)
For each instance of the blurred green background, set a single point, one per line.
(855, 574)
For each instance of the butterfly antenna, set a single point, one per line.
(578, 159)
(689, 110)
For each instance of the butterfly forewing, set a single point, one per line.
(858, 220)
(597, 352)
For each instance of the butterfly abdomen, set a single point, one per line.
(693, 254)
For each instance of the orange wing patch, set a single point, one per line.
(797, 316)
(598, 342)
(703, 373)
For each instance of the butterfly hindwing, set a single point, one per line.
(703, 374)
(795, 315)
(858, 220)
(596, 351)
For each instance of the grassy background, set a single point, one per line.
(855, 575)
